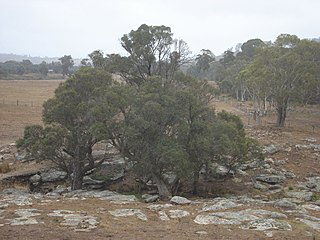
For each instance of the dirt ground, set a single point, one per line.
(21, 105)
(302, 123)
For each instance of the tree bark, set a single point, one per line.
(282, 112)
(196, 176)
(78, 168)
(163, 191)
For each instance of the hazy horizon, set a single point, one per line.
(53, 28)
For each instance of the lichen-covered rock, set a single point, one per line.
(53, 176)
(220, 205)
(178, 213)
(129, 212)
(180, 200)
(270, 178)
(267, 224)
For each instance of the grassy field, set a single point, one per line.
(21, 105)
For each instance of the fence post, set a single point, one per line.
(17, 102)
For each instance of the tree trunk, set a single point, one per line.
(282, 112)
(164, 193)
(77, 175)
(78, 168)
(196, 176)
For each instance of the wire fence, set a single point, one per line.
(20, 102)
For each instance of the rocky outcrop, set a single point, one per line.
(270, 178)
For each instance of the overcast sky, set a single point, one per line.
(78, 27)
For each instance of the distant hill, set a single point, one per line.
(35, 60)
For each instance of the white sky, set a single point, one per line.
(78, 27)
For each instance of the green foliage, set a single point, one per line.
(315, 196)
(152, 51)
(67, 139)
(66, 63)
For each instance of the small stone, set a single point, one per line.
(35, 178)
(269, 234)
(150, 198)
(202, 232)
(163, 216)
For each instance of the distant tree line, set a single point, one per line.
(268, 73)
(65, 67)
(159, 119)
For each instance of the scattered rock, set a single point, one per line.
(264, 213)
(212, 219)
(304, 195)
(20, 200)
(178, 213)
(159, 207)
(267, 224)
(220, 205)
(129, 212)
(26, 217)
(286, 204)
(35, 179)
(202, 232)
(311, 207)
(150, 198)
(163, 216)
(271, 149)
(53, 176)
(79, 221)
(180, 200)
(310, 140)
(260, 186)
(279, 162)
(312, 224)
(270, 178)
(102, 195)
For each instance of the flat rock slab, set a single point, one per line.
(264, 213)
(19, 200)
(129, 212)
(213, 219)
(79, 221)
(286, 204)
(25, 217)
(267, 224)
(270, 178)
(312, 224)
(102, 195)
(311, 207)
(180, 200)
(220, 205)
(159, 207)
(178, 213)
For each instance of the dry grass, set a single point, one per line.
(21, 105)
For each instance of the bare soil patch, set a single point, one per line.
(21, 105)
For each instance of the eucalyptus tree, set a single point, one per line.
(283, 69)
(70, 118)
(153, 51)
(66, 63)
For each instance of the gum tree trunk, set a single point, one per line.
(164, 193)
